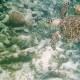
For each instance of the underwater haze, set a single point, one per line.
(30, 46)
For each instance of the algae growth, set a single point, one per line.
(25, 41)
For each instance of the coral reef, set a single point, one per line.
(25, 47)
(15, 18)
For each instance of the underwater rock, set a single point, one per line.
(77, 9)
(2, 37)
(13, 67)
(2, 16)
(2, 47)
(16, 18)
(2, 26)
(4, 8)
(3, 1)
(5, 19)
(22, 41)
(29, 18)
(14, 48)
(19, 56)
(1, 8)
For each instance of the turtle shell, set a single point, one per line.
(70, 28)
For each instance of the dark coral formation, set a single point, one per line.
(16, 18)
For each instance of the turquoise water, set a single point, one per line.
(25, 42)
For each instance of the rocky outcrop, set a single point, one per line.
(16, 18)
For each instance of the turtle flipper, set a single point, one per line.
(54, 40)
(64, 9)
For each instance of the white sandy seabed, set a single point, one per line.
(47, 65)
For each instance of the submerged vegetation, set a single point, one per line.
(25, 41)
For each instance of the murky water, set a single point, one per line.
(25, 41)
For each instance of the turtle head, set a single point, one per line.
(54, 22)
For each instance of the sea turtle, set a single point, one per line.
(69, 27)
